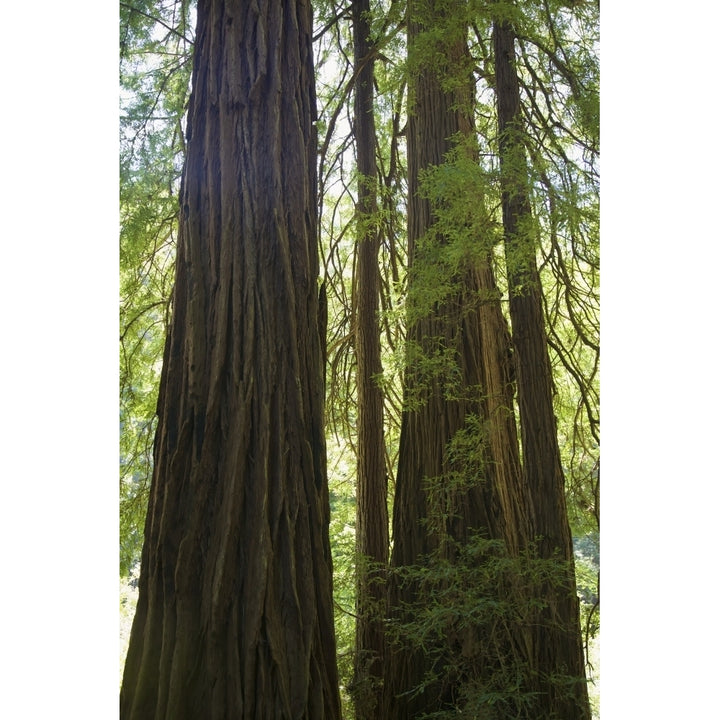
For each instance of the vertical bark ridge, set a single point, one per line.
(471, 331)
(556, 649)
(235, 614)
(372, 539)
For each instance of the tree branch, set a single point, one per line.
(157, 20)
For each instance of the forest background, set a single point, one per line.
(59, 300)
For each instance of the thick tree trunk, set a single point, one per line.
(467, 328)
(235, 617)
(371, 491)
(557, 646)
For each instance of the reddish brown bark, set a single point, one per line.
(469, 328)
(556, 648)
(235, 617)
(371, 490)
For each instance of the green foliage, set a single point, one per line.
(155, 53)
(442, 28)
(587, 573)
(128, 602)
(341, 481)
(338, 226)
(464, 231)
(473, 606)
(467, 450)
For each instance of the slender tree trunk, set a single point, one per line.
(557, 647)
(235, 617)
(371, 492)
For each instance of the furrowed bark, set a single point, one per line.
(557, 644)
(371, 491)
(474, 335)
(235, 617)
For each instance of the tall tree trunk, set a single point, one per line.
(371, 492)
(557, 647)
(234, 616)
(439, 406)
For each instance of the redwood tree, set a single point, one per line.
(371, 490)
(458, 345)
(556, 649)
(463, 365)
(234, 617)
